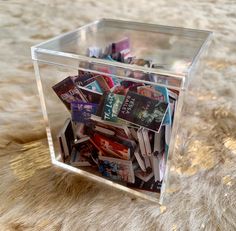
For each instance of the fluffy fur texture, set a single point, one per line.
(37, 196)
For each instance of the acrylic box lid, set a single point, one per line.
(172, 50)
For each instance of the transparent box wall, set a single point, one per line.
(176, 52)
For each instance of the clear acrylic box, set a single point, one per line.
(175, 52)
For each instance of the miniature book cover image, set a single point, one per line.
(150, 92)
(116, 169)
(144, 111)
(94, 86)
(112, 106)
(84, 153)
(84, 78)
(111, 147)
(67, 91)
(81, 112)
(90, 95)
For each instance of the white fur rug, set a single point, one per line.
(37, 196)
